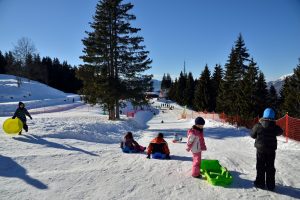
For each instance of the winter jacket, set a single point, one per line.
(195, 142)
(130, 143)
(21, 114)
(158, 145)
(265, 133)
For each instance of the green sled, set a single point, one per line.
(215, 173)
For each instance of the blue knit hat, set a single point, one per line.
(199, 121)
(269, 113)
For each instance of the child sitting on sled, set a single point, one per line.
(158, 148)
(196, 144)
(129, 145)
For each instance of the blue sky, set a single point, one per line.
(198, 31)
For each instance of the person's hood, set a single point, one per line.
(197, 128)
(21, 103)
(266, 123)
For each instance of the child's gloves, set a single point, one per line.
(148, 156)
(203, 148)
(31, 118)
(188, 149)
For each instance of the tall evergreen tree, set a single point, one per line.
(163, 82)
(231, 99)
(173, 90)
(51, 76)
(227, 98)
(11, 63)
(114, 58)
(215, 86)
(189, 90)
(2, 64)
(168, 81)
(202, 91)
(248, 91)
(180, 98)
(283, 94)
(291, 94)
(261, 94)
(29, 70)
(273, 98)
(242, 54)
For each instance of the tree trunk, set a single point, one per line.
(117, 109)
(112, 113)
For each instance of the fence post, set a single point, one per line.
(286, 126)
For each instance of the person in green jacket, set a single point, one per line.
(21, 113)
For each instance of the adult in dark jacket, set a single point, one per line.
(265, 133)
(21, 113)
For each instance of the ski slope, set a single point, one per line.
(75, 154)
(37, 96)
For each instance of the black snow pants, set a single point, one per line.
(265, 170)
(25, 127)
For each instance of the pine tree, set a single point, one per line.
(227, 98)
(202, 91)
(11, 63)
(261, 94)
(242, 54)
(166, 84)
(189, 91)
(215, 84)
(273, 98)
(29, 69)
(231, 98)
(2, 64)
(168, 81)
(114, 59)
(291, 94)
(180, 98)
(163, 82)
(173, 90)
(248, 92)
(47, 63)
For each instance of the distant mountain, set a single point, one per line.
(278, 83)
(156, 85)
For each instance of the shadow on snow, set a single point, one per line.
(39, 140)
(11, 169)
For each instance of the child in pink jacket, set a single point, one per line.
(196, 145)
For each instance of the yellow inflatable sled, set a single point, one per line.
(12, 126)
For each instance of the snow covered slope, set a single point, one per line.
(75, 154)
(33, 93)
(29, 90)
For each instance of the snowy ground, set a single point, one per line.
(75, 154)
(35, 95)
